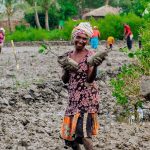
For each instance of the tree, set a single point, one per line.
(139, 6)
(33, 3)
(93, 4)
(9, 4)
(46, 5)
(67, 9)
(106, 2)
(135, 6)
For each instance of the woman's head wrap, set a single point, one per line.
(2, 30)
(82, 28)
(95, 27)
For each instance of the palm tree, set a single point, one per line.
(9, 4)
(46, 5)
(106, 2)
(33, 3)
(10, 7)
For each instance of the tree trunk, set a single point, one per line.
(9, 23)
(80, 8)
(106, 2)
(46, 20)
(37, 17)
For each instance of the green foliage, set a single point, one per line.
(131, 55)
(44, 46)
(113, 25)
(53, 19)
(67, 10)
(135, 23)
(131, 6)
(118, 93)
(42, 49)
(138, 6)
(63, 13)
(144, 53)
(109, 26)
(93, 4)
(20, 27)
(29, 34)
(124, 49)
(126, 86)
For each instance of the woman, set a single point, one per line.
(2, 38)
(95, 38)
(80, 121)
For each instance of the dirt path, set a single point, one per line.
(33, 101)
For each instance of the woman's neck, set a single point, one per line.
(77, 51)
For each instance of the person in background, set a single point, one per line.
(94, 41)
(80, 120)
(140, 41)
(128, 36)
(2, 38)
(110, 42)
(61, 24)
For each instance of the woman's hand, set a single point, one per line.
(97, 61)
(69, 67)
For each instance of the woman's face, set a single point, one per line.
(80, 41)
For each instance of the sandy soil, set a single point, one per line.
(33, 100)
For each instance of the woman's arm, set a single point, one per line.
(99, 34)
(4, 38)
(92, 72)
(65, 76)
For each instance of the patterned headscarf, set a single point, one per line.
(2, 30)
(82, 28)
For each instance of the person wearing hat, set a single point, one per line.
(95, 38)
(80, 121)
(2, 38)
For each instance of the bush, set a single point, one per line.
(126, 86)
(30, 34)
(111, 25)
(144, 54)
(135, 23)
(20, 27)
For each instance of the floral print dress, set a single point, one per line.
(80, 118)
(83, 96)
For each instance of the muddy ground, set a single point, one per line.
(33, 100)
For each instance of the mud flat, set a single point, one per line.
(33, 100)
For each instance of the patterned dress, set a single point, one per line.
(83, 97)
(81, 113)
(1, 38)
